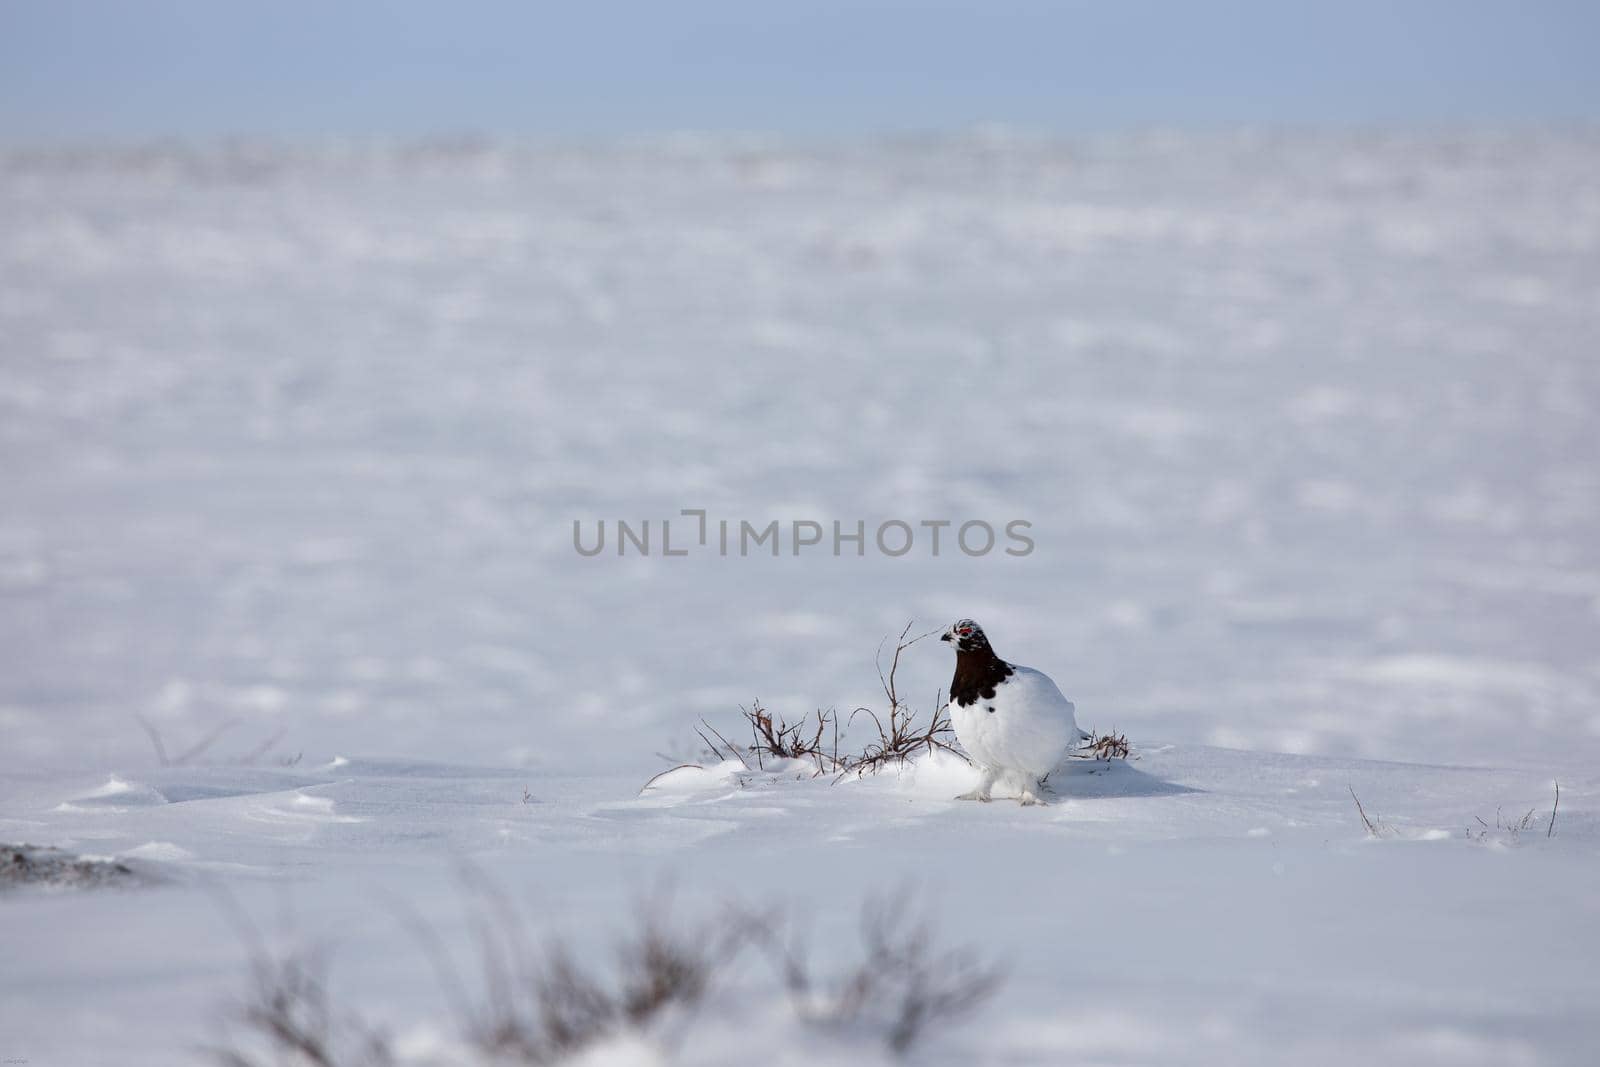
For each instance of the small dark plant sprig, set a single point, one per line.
(1110, 746)
(541, 1003)
(1374, 824)
(903, 985)
(1508, 829)
(290, 1012)
(902, 733)
(725, 745)
(185, 757)
(776, 738)
(1104, 747)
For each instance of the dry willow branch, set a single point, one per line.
(1505, 829)
(902, 984)
(290, 1012)
(541, 1003)
(1375, 827)
(902, 737)
(728, 746)
(544, 1004)
(780, 739)
(1106, 747)
(196, 749)
(901, 732)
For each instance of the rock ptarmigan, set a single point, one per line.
(1012, 720)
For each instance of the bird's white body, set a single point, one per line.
(1019, 735)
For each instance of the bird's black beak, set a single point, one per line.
(944, 636)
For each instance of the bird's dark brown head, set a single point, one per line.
(978, 669)
(967, 636)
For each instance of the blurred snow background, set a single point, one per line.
(1305, 424)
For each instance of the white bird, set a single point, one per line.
(1013, 721)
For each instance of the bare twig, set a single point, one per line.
(894, 665)
(725, 743)
(1106, 747)
(264, 747)
(155, 739)
(547, 1005)
(710, 747)
(902, 984)
(836, 739)
(187, 754)
(777, 738)
(657, 777)
(902, 738)
(290, 1011)
(543, 1005)
(204, 743)
(714, 749)
(1552, 830)
(1508, 830)
(900, 735)
(1375, 827)
(439, 958)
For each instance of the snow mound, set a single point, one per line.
(117, 793)
(160, 852)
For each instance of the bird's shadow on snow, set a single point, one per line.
(1117, 778)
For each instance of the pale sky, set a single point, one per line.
(84, 69)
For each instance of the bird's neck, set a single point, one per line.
(978, 671)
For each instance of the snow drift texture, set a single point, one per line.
(1304, 425)
(293, 439)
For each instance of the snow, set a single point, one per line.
(291, 444)
(1197, 903)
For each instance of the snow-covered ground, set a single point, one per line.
(292, 442)
(1195, 905)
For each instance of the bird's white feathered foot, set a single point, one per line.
(985, 784)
